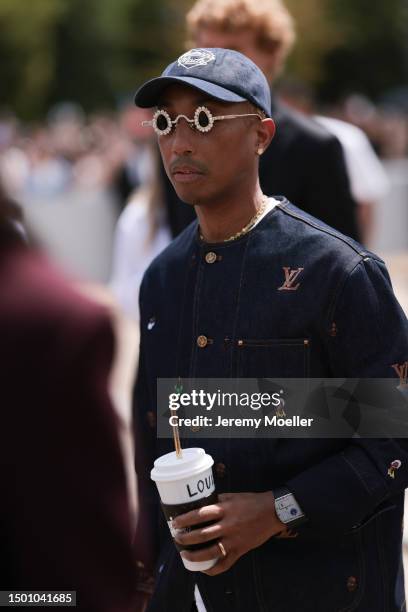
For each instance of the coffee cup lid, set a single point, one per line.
(170, 467)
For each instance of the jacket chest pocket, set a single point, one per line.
(273, 358)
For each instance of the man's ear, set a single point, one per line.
(266, 132)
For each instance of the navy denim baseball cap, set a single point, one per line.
(223, 74)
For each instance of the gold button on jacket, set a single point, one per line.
(202, 341)
(211, 257)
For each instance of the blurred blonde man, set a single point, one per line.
(262, 29)
(305, 162)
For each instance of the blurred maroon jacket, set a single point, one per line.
(64, 522)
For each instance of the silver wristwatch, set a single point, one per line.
(287, 508)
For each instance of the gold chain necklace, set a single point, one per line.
(250, 223)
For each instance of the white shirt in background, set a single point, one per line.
(368, 180)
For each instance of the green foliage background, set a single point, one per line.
(96, 52)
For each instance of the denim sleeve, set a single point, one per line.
(372, 329)
(372, 337)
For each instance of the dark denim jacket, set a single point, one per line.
(293, 298)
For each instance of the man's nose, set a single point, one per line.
(183, 138)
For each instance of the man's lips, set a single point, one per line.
(186, 174)
(186, 170)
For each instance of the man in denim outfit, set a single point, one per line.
(258, 288)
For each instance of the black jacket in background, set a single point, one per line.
(305, 163)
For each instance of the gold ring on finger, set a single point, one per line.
(222, 549)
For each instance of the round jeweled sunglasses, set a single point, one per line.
(203, 120)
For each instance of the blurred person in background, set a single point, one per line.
(152, 216)
(385, 125)
(93, 146)
(141, 233)
(368, 180)
(13, 161)
(66, 123)
(64, 517)
(305, 162)
(103, 149)
(139, 165)
(49, 173)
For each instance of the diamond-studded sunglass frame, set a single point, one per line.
(203, 120)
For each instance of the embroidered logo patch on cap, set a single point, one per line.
(196, 57)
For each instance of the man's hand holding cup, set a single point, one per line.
(240, 522)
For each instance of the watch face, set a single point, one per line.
(288, 509)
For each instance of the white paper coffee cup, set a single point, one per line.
(185, 484)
